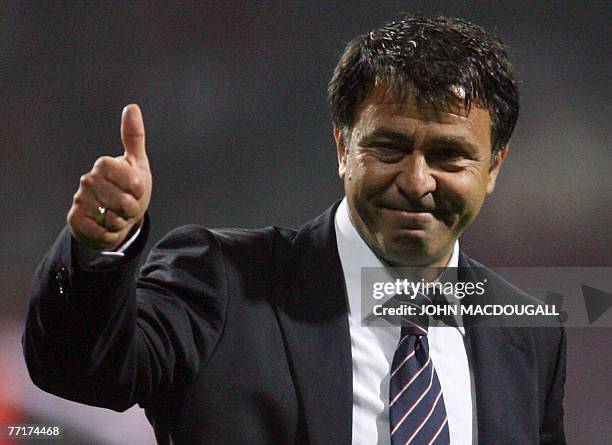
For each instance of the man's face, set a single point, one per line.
(415, 178)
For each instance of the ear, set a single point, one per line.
(495, 168)
(341, 149)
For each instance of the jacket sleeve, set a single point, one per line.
(552, 432)
(110, 337)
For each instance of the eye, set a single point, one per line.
(448, 158)
(449, 153)
(387, 153)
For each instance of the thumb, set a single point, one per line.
(133, 134)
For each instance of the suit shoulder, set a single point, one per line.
(236, 237)
(506, 293)
(245, 246)
(501, 286)
(228, 237)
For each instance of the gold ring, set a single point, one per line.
(101, 216)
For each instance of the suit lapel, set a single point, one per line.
(312, 312)
(497, 358)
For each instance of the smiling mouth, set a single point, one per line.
(409, 219)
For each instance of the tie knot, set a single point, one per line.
(411, 312)
(427, 305)
(415, 323)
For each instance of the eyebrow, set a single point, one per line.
(456, 141)
(386, 133)
(401, 138)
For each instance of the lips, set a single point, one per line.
(408, 209)
(408, 219)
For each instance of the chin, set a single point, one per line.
(417, 240)
(408, 251)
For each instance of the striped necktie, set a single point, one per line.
(417, 414)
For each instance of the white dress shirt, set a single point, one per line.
(373, 349)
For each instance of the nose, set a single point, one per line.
(414, 179)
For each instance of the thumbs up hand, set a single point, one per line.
(114, 196)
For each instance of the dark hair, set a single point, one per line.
(441, 61)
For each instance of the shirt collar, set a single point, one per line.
(355, 253)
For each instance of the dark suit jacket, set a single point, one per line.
(242, 337)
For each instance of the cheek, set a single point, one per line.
(464, 193)
(356, 166)
(370, 177)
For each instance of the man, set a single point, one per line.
(257, 336)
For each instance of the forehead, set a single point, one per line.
(403, 113)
